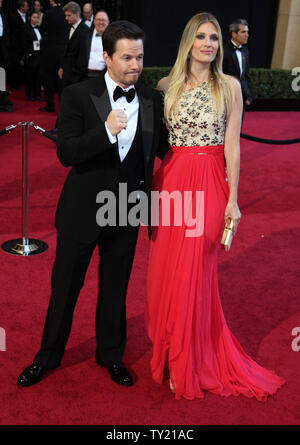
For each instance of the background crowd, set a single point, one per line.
(49, 44)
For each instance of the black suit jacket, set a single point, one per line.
(30, 38)
(83, 144)
(75, 58)
(17, 30)
(54, 30)
(4, 41)
(231, 67)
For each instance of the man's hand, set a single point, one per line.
(60, 73)
(116, 121)
(247, 102)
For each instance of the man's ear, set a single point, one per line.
(106, 58)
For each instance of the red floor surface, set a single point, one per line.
(259, 282)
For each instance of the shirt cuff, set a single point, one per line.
(112, 139)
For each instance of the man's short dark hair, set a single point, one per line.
(21, 3)
(235, 25)
(121, 29)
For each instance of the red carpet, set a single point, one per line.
(259, 282)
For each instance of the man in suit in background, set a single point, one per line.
(75, 58)
(95, 48)
(54, 32)
(110, 130)
(87, 14)
(17, 50)
(236, 57)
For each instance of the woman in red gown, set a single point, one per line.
(184, 316)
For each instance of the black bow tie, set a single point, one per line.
(98, 35)
(128, 94)
(237, 49)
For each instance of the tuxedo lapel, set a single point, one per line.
(102, 104)
(146, 111)
(235, 61)
(100, 98)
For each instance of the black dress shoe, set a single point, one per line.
(119, 374)
(31, 375)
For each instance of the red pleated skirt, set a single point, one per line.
(184, 316)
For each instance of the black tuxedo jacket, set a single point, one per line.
(4, 41)
(17, 31)
(75, 58)
(231, 67)
(30, 38)
(54, 30)
(83, 144)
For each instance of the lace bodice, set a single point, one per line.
(195, 122)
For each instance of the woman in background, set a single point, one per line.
(37, 7)
(33, 58)
(184, 317)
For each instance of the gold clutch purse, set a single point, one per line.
(227, 235)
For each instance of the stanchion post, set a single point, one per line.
(25, 246)
(25, 182)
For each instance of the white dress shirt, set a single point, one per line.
(89, 22)
(1, 26)
(239, 56)
(126, 136)
(73, 28)
(96, 61)
(23, 15)
(37, 33)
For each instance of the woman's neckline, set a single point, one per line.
(198, 86)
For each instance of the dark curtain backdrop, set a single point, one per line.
(164, 21)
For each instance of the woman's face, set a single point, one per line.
(34, 19)
(37, 6)
(206, 44)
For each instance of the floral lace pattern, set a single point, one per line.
(195, 122)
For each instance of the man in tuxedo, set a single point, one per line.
(88, 16)
(236, 57)
(110, 129)
(95, 47)
(55, 33)
(17, 50)
(74, 63)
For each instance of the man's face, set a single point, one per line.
(241, 37)
(101, 21)
(71, 18)
(87, 11)
(126, 63)
(24, 8)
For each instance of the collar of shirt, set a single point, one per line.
(73, 28)
(95, 32)
(234, 44)
(22, 14)
(76, 25)
(111, 85)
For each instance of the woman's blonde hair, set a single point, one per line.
(222, 88)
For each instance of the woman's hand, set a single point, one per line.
(232, 211)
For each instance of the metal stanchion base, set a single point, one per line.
(23, 247)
